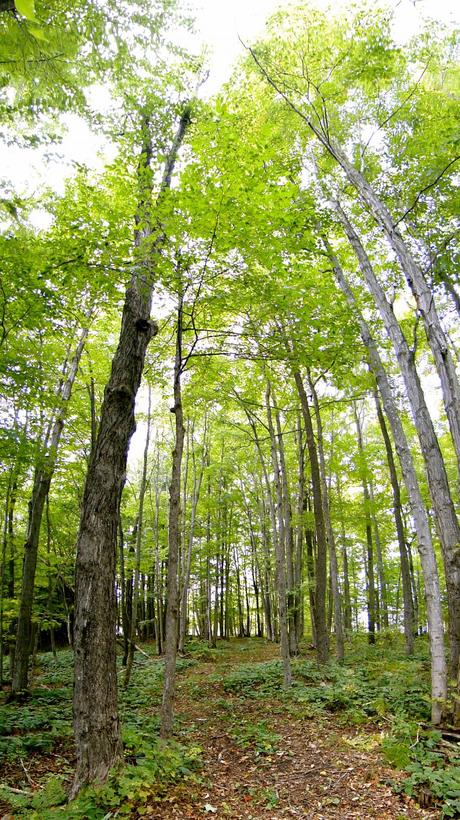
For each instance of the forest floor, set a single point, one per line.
(267, 759)
(244, 747)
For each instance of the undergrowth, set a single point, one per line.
(44, 723)
(377, 687)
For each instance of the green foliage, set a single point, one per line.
(257, 736)
(433, 766)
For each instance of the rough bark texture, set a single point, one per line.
(42, 481)
(419, 514)
(96, 722)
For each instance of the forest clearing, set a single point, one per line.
(230, 409)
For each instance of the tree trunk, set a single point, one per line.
(137, 564)
(96, 721)
(370, 585)
(334, 572)
(322, 638)
(41, 484)
(289, 537)
(197, 479)
(420, 518)
(174, 537)
(280, 549)
(405, 570)
(383, 594)
(446, 519)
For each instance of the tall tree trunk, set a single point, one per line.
(347, 608)
(383, 594)
(370, 584)
(280, 549)
(322, 638)
(96, 721)
(174, 536)
(158, 565)
(414, 276)
(137, 563)
(445, 515)
(334, 572)
(197, 480)
(288, 534)
(419, 514)
(405, 571)
(43, 476)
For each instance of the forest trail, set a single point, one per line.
(263, 758)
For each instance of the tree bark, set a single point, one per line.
(405, 569)
(280, 549)
(322, 638)
(419, 514)
(43, 476)
(197, 480)
(174, 538)
(96, 721)
(445, 515)
(334, 572)
(370, 584)
(137, 564)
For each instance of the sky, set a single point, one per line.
(219, 24)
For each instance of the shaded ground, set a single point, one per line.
(263, 759)
(309, 752)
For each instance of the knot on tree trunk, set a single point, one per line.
(147, 326)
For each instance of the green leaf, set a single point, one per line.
(26, 8)
(38, 33)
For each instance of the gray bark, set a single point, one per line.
(405, 569)
(445, 515)
(419, 514)
(370, 584)
(322, 638)
(197, 480)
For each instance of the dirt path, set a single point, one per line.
(313, 769)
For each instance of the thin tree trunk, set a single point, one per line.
(174, 536)
(334, 572)
(280, 549)
(383, 596)
(96, 721)
(370, 584)
(322, 638)
(41, 484)
(288, 533)
(197, 480)
(405, 571)
(137, 564)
